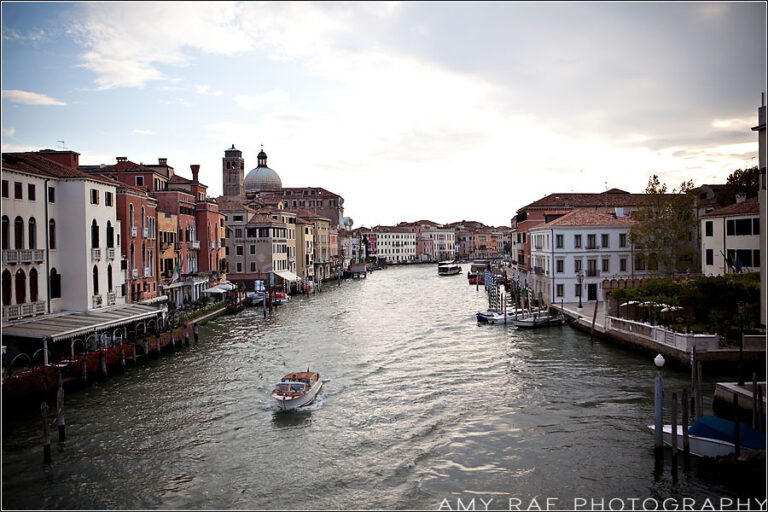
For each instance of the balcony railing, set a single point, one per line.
(97, 299)
(135, 273)
(110, 253)
(134, 231)
(111, 298)
(96, 254)
(145, 232)
(147, 272)
(194, 244)
(592, 272)
(592, 247)
(18, 311)
(13, 256)
(538, 270)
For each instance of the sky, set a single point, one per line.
(415, 110)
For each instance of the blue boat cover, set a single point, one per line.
(718, 428)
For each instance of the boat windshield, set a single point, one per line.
(290, 387)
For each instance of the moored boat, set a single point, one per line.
(538, 320)
(711, 436)
(297, 390)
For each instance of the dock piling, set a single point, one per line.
(754, 401)
(658, 399)
(46, 436)
(674, 434)
(686, 441)
(736, 440)
(60, 413)
(84, 371)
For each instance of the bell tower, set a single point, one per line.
(232, 170)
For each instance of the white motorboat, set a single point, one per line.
(538, 320)
(494, 317)
(448, 268)
(297, 390)
(710, 436)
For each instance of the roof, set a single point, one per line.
(747, 207)
(587, 217)
(610, 199)
(307, 214)
(33, 163)
(125, 166)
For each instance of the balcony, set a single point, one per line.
(164, 246)
(96, 254)
(135, 273)
(145, 232)
(97, 301)
(538, 270)
(18, 311)
(13, 256)
(592, 247)
(110, 253)
(194, 244)
(592, 272)
(111, 298)
(147, 272)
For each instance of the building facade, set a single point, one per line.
(731, 239)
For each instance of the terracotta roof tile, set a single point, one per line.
(33, 163)
(586, 217)
(749, 206)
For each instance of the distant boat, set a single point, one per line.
(711, 436)
(448, 268)
(539, 319)
(297, 390)
(475, 278)
(495, 317)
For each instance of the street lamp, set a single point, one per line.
(580, 276)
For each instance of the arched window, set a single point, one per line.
(32, 233)
(18, 233)
(6, 233)
(95, 280)
(21, 287)
(51, 234)
(130, 215)
(143, 255)
(110, 235)
(143, 219)
(55, 284)
(109, 278)
(33, 285)
(94, 234)
(6, 288)
(133, 258)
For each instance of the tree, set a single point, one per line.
(746, 181)
(664, 236)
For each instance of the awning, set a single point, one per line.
(287, 275)
(70, 324)
(161, 298)
(215, 289)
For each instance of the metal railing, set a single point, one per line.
(147, 271)
(134, 231)
(194, 244)
(110, 253)
(135, 273)
(96, 254)
(13, 256)
(97, 300)
(592, 272)
(145, 232)
(111, 298)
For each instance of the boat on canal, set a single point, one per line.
(448, 268)
(297, 389)
(539, 319)
(492, 316)
(711, 436)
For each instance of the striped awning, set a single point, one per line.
(70, 324)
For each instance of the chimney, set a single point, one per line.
(162, 161)
(122, 159)
(740, 198)
(195, 171)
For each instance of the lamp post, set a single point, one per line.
(580, 277)
(658, 396)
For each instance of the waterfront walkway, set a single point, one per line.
(584, 317)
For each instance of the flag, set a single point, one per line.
(175, 275)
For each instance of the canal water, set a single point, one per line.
(421, 407)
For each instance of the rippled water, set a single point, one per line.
(420, 404)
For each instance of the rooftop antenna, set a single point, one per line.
(62, 143)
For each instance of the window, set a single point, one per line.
(577, 290)
(604, 242)
(559, 241)
(94, 196)
(623, 264)
(17, 190)
(238, 218)
(238, 233)
(252, 249)
(560, 290)
(710, 257)
(756, 226)
(51, 234)
(606, 265)
(55, 284)
(107, 198)
(21, 287)
(5, 188)
(577, 241)
(239, 268)
(6, 233)
(560, 264)
(51, 195)
(639, 263)
(708, 228)
(95, 280)
(591, 241)
(18, 233)
(94, 235)
(253, 266)
(31, 191)
(577, 265)
(32, 228)
(239, 250)
(622, 239)
(756, 258)
(6, 288)
(139, 181)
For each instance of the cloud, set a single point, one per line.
(138, 131)
(32, 35)
(9, 132)
(30, 98)
(206, 90)
(260, 100)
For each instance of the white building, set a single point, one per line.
(395, 245)
(443, 243)
(731, 239)
(589, 243)
(56, 223)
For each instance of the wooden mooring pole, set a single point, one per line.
(60, 413)
(84, 371)
(686, 441)
(658, 399)
(594, 318)
(755, 421)
(760, 410)
(736, 440)
(674, 434)
(46, 436)
(699, 392)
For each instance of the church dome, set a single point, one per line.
(262, 177)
